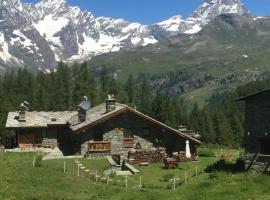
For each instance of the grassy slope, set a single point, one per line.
(18, 180)
(217, 51)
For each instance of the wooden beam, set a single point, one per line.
(266, 167)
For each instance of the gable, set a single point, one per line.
(124, 110)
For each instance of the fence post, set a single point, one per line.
(174, 183)
(126, 181)
(196, 170)
(221, 152)
(96, 175)
(78, 170)
(140, 182)
(185, 176)
(34, 161)
(64, 167)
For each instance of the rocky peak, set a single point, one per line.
(53, 30)
(211, 9)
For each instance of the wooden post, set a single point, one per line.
(174, 183)
(126, 181)
(196, 170)
(221, 151)
(64, 167)
(185, 176)
(78, 170)
(34, 161)
(140, 182)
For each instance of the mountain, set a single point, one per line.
(39, 35)
(228, 51)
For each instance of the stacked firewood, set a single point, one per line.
(181, 157)
(142, 156)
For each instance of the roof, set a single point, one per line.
(38, 119)
(98, 114)
(94, 116)
(253, 95)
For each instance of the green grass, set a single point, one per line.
(19, 180)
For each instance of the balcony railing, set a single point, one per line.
(99, 146)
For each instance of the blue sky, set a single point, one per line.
(152, 11)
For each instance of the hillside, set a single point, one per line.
(229, 51)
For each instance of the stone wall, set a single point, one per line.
(116, 137)
(145, 134)
(84, 139)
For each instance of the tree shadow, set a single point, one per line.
(225, 166)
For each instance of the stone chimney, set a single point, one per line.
(110, 103)
(81, 115)
(22, 109)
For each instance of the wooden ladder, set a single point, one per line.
(252, 161)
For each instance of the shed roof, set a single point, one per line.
(254, 95)
(38, 119)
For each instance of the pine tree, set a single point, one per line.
(130, 88)
(145, 102)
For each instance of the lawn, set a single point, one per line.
(19, 180)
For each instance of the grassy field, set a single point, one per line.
(19, 180)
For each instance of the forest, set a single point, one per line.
(220, 121)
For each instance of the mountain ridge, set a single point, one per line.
(39, 35)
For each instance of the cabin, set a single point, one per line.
(257, 125)
(110, 128)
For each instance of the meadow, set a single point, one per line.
(20, 180)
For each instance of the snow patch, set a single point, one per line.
(171, 24)
(49, 26)
(4, 50)
(195, 29)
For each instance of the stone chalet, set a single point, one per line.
(109, 128)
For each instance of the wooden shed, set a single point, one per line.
(257, 125)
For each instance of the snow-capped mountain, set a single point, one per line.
(203, 15)
(52, 30)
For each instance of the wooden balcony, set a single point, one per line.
(99, 146)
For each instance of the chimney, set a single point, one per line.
(110, 103)
(22, 112)
(81, 115)
(83, 107)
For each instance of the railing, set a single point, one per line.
(99, 146)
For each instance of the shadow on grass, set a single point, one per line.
(225, 166)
